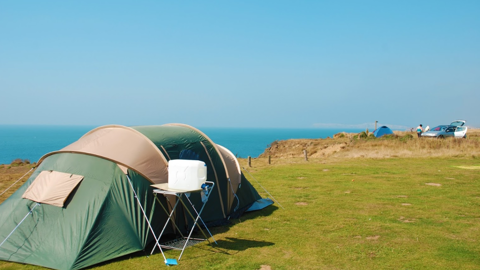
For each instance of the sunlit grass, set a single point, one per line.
(358, 213)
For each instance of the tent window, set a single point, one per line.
(52, 187)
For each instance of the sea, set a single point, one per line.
(31, 142)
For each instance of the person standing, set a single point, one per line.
(419, 130)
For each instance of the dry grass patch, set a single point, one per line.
(469, 167)
(433, 184)
(301, 203)
(406, 220)
(402, 144)
(373, 238)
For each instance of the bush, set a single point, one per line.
(16, 162)
(19, 162)
(389, 137)
(362, 135)
(406, 138)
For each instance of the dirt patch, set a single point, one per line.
(301, 203)
(469, 167)
(265, 267)
(433, 184)
(286, 254)
(373, 238)
(316, 148)
(402, 196)
(329, 150)
(406, 204)
(405, 220)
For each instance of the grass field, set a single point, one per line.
(362, 213)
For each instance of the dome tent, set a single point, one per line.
(69, 213)
(383, 130)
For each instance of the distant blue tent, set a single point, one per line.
(383, 130)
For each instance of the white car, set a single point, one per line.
(456, 129)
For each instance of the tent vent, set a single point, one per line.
(52, 187)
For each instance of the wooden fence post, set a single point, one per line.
(305, 154)
(249, 161)
(269, 160)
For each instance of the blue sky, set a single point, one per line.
(269, 63)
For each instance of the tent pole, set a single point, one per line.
(216, 179)
(234, 194)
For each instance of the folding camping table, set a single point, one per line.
(180, 194)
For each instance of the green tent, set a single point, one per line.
(87, 203)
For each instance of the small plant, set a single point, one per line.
(363, 135)
(406, 138)
(17, 162)
(389, 137)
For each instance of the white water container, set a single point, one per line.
(186, 174)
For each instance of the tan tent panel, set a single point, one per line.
(123, 168)
(52, 187)
(233, 168)
(232, 165)
(125, 146)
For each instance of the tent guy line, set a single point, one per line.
(18, 225)
(17, 181)
(263, 187)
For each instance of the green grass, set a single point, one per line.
(347, 214)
